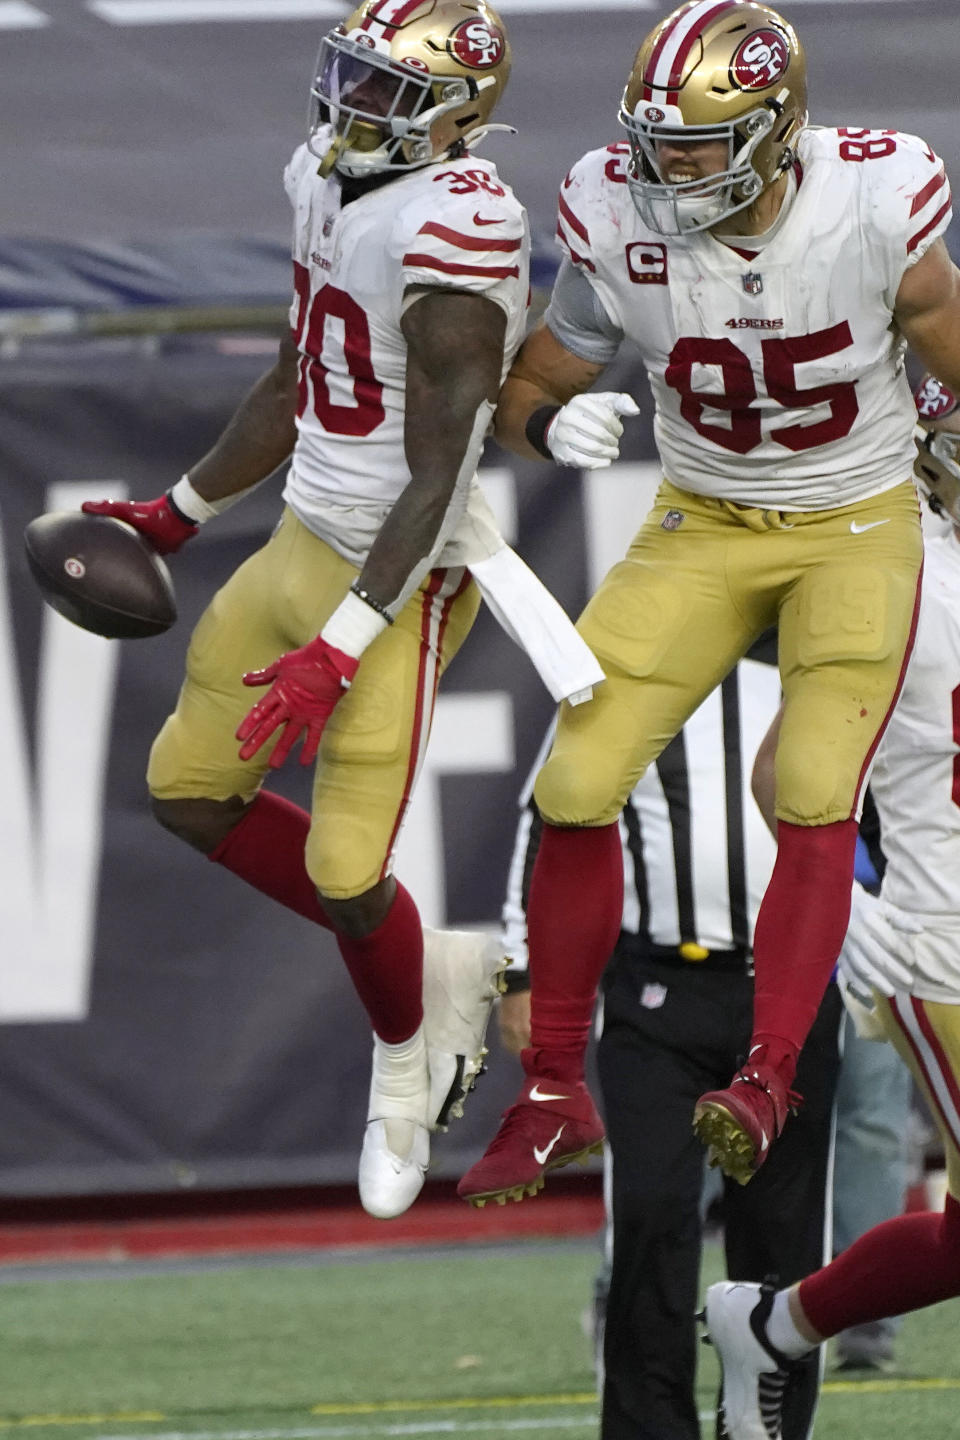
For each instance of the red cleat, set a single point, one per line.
(740, 1124)
(552, 1123)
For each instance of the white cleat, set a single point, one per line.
(462, 977)
(754, 1372)
(396, 1142)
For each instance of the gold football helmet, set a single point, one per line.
(937, 436)
(713, 71)
(404, 82)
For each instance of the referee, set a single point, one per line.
(677, 1012)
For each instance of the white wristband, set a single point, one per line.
(194, 507)
(353, 626)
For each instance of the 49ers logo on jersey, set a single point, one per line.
(477, 44)
(760, 60)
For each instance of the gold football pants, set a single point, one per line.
(701, 580)
(375, 741)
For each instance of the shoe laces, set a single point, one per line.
(756, 1078)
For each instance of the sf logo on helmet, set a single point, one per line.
(761, 59)
(476, 44)
(934, 399)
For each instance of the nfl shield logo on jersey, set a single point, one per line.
(753, 283)
(652, 996)
(672, 520)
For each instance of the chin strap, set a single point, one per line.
(474, 137)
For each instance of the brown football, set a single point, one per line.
(101, 574)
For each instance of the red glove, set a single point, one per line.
(163, 526)
(305, 685)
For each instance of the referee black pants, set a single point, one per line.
(672, 1031)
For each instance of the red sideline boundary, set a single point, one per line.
(267, 1223)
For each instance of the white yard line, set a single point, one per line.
(365, 1430)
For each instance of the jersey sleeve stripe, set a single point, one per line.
(929, 190)
(577, 259)
(576, 225)
(468, 242)
(915, 240)
(446, 267)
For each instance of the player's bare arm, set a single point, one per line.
(257, 439)
(928, 313)
(544, 373)
(547, 411)
(259, 436)
(454, 362)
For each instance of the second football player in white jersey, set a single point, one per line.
(769, 274)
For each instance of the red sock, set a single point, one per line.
(903, 1264)
(573, 920)
(799, 932)
(386, 968)
(267, 848)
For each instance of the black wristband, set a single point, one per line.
(370, 600)
(179, 513)
(536, 428)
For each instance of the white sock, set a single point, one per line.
(782, 1332)
(400, 1090)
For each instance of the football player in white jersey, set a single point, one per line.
(900, 966)
(769, 273)
(410, 292)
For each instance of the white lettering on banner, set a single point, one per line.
(615, 502)
(472, 734)
(53, 819)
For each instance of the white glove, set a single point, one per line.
(586, 431)
(876, 952)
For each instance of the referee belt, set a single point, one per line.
(691, 956)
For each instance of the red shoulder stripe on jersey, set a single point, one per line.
(914, 240)
(577, 226)
(931, 188)
(446, 267)
(467, 242)
(665, 66)
(577, 259)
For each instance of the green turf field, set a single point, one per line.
(485, 1343)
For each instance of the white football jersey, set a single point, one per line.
(916, 777)
(777, 372)
(453, 224)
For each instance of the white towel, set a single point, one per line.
(535, 621)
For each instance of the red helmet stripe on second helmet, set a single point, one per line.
(390, 12)
(672, 50)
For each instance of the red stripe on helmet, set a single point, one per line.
(671, 82)
(396, 12)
